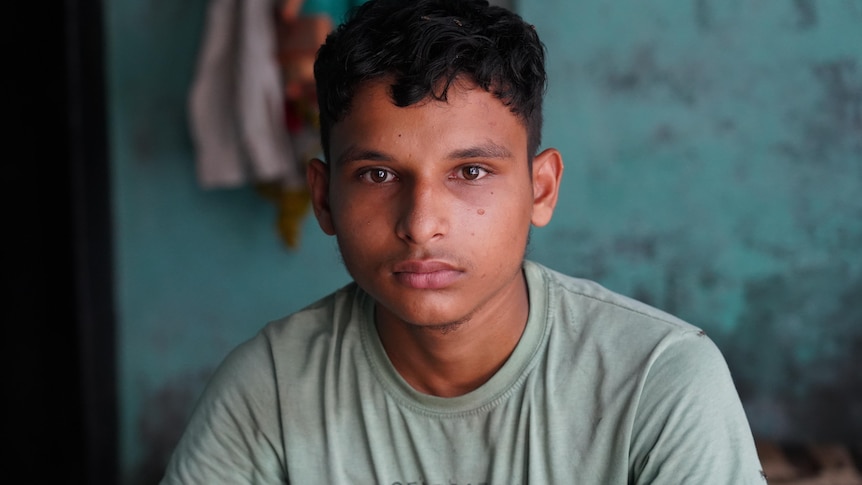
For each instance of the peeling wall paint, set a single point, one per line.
(713, 169)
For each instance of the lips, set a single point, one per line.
(426, 275)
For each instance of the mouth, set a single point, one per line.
(426, 275)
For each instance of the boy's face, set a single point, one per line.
(432, 203)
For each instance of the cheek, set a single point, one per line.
(356, 252)
(507, 217)
(498, 233)
(348, 213)
(359, 229)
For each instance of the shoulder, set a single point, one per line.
(589, 319)
(325, 317)
(589, 301)
(681, 388)
(286, 341)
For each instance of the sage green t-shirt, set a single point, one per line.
(601, 389)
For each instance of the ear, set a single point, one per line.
(547, 173)
(317, 176)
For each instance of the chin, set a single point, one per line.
(429, 318)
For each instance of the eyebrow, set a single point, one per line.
(355, 153)
(488, 149)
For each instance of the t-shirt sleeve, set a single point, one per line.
(233, 435)
(690, 426)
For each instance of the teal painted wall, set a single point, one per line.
(713, 156)
(714, 170)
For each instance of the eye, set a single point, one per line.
(377, 175)
(472, 172)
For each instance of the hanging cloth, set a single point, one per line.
(236, 103)
(252, 105)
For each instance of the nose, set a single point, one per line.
(423, 213)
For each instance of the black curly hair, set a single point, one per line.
(425, 45)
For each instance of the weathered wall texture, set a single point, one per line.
(714, 170)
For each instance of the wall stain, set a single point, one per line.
(806, 10)
(798, 343)
(717, 15)
(165, 411)
(641, 248)
(641, 75)
(675, 294)
(703, 14)
(708, 278)
(677, 276)
(832, 126)
(664, 134)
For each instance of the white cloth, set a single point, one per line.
(236, 103)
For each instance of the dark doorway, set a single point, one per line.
(60, 340)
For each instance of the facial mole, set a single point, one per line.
(481, 212)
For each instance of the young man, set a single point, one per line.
(450, 359)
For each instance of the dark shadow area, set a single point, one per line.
(60, 344)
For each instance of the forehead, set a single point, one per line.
(469, 116)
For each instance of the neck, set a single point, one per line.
(453, 359)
